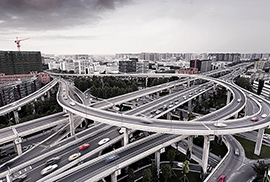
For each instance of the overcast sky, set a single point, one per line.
(134, 26)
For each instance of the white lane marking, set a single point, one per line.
(206, 126)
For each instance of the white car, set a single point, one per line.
(104, 140)
(264, 116)
(72, 103)
(48, 169)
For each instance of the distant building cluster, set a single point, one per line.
(12, 91)
(133, 65)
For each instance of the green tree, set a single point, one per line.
(131, 175)
(147, 175)
(166, 171)
(154, 171)
(171, 155)
(260, 168)
(244, 83)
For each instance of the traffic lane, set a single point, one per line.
(96, 168)
(65, 154)
(40, 121)
(111, 132)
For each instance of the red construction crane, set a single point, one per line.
(17, 41)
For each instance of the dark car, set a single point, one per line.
(62, 131)
(112, 158)
(53, 161)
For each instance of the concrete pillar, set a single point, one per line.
(71, 123)
(190, 144)
(42, 98)
(125, 136)
(157, 161)
(18, 145)
(258, 145)
(206, 146)
(34, 111)
(228, 97)
(16, 116)
(114, 177)
(200, 99)
(146, 81)
(170, 90)
(133, 103)
(48, 94)
(157, 95)
(189, 105)
(8, 175)
(169, 115)
(188, 82)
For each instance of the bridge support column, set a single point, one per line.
(71, 123)
(258, 145)
(125, 136)
(42, 98)
(157, 95)
(205, 156)
(190, 145)
(170, 90)
(114, 177)
(157, 161)
(189, 105)
(133, 103)
(169, 115)
(16, 116)
(48, 94)
(200, 99)
(146, 82)
(188, 82)
(228, 97)
(18, 145)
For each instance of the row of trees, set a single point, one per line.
(151, 175)
(106, 87)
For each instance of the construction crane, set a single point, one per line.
(17, 41)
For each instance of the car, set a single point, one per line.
(74, 156)
(259, 100)
(121, 130)
(84, 146)
(221, 178)
(61, 132)
(264, 116)
(112, 158)
(170, 105)
(53, 160)
(103, 141)
(236, 152)
(254, 119)
(238, 100)
(132, 140)
(48, 169)
(19, 178)
(158, 112)
(72, 103)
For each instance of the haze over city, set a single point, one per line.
(117, 26)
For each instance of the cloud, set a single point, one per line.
(53, 14)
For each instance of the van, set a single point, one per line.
(184, 97)
(238, 100)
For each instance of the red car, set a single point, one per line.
(84, 146)
(254, 119)
(221, 178)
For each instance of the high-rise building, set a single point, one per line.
(128, 66)
(20, 62)
(202, 65)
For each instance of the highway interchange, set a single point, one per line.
(208, 126)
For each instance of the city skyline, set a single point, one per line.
(131, 26)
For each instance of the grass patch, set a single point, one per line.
(249, 147)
